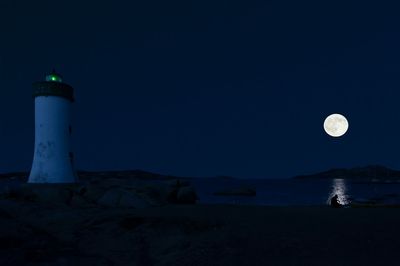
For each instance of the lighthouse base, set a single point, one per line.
(37, 176)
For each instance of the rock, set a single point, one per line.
(113, 182)
(164, 194)
(178, 183)
(186, 195)
(79, 201)
(91, 193)
(179, 191)
(52, 193)
(49, 193)
(155, 195)
(130, 223)
(132, 200)
(22, 192)
(5, 193)
(122, 198)
(110, 198)
(171, 194)
(10, 241)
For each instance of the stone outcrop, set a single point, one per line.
(106, 192)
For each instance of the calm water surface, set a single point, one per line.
(285, 192)
(297, 192)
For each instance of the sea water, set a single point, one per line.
(296, 191)
(282, 192)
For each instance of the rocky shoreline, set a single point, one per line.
(120, 220)
(105, 190)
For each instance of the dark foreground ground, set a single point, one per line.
(56, 234)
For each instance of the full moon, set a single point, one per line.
(336, 125)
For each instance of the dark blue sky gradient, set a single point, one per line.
(207, 88)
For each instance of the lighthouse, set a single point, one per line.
(53, 156)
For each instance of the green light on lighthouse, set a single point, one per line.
(53, 77)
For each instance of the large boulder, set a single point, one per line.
(91, 192)
(132, 200)
(179, 191)
(154, 194)
(117, 197)
(110, 198)
(186, 195)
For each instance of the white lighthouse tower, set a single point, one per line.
(53, 156)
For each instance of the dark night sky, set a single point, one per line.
(204, 88)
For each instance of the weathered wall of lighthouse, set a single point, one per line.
(53, 157)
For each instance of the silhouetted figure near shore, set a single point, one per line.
(335, 202)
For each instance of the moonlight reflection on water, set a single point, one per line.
(339, 188)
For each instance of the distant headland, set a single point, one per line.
(370, 173)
